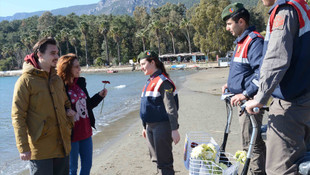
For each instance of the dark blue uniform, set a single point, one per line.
(244, 67)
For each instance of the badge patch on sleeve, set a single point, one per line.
(169, 90)
(278, 22)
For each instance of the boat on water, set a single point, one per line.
(111, 71)
(180, 66)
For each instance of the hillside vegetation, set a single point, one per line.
(106, 39)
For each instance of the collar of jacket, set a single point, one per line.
(244, 34)
(30, 69)
(278, 2)
(155, 74)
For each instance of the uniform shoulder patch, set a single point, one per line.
(278, 22)
(169, 90)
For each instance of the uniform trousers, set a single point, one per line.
(257, 164)
(160, 146)
(288, 135)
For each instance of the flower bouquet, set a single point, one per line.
(192, 140)
(204, 152)
(240, 156)
(204, 161)
(206, 155)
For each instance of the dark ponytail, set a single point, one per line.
(159, 65)
(162, 68)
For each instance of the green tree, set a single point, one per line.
(141, 20)
(6, 64)
(46, 20)
(142, 34)
(170, 28)
(59, 41)
(48, 32)
(26, 41)
(141, 17)
(73, 39)
(84, 29)
(64, 33)
(117, 37)
(259, 16)
(156, 27)
(185, 25)
(18, 54)
(211, 35)
(104, 30)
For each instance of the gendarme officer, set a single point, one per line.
(243, 75)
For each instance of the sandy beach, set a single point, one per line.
(123, 150)
(120, 149)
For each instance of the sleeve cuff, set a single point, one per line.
(261, 98)
(174, 123)
(144, 125)
(174, 127)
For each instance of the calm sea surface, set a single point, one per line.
(123, 97)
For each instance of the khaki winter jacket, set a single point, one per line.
(39, 114)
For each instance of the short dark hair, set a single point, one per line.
(41, 45)
(244, 14)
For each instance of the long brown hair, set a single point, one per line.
(64, 67)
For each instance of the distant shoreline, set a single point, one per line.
(125, 68)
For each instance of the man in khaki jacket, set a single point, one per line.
(41, 112)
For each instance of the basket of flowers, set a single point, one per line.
(204, 160)
(204, 157)
(194, 139)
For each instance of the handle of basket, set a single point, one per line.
(246, 167)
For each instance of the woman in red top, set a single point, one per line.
(68, 68)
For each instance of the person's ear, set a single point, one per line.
(153, 62)
(39, 54)
(241, 21)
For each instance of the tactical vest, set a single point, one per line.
(296, 81)
(241, 72)
(152, 107)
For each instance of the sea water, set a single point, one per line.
(123, 97)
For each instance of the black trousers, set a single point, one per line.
(160, 146)
(53, 166)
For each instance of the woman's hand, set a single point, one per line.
(144, 133)
(103, 93)
(175, 136)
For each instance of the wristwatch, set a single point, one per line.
(245, 93)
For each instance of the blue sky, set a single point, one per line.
(10, 7)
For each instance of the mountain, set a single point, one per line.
(247, 3)
(78, 10)
(115, 7)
